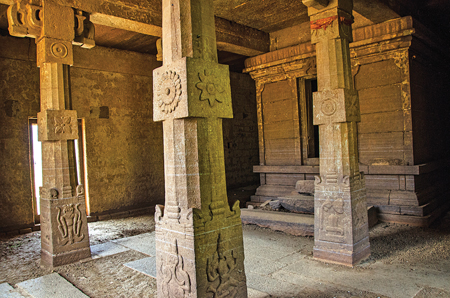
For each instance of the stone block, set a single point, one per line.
(64, 231)
(305, 186)
(50, 50)
(336, 106)
(56, 125)
(207, 84)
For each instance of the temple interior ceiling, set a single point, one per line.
(264, 15)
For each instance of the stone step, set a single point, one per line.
(52, 285)
(7, 291)
(290, 223)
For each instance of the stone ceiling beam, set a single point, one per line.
(374, 10)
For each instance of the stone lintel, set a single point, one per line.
(57, 125)
(192, 88)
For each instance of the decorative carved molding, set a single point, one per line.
(220, 268)
(176, 281)
(210, 89)
(25, 20)
(62, 125)
(169, 91)
(69, 224)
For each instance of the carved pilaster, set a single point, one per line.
(198, 237)
(340, 221)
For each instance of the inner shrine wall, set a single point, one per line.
(405, 185)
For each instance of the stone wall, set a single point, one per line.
(402, 135)
(240, 135)
(19, 99)
(112, 91)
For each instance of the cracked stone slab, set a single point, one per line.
(252, 293)
(52, 285)
(146, 266)
(7, 291)
(107, 249)
(144, 243)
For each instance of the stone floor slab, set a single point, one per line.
(107, 249)
(146, 266)
(252, 293)
(7, 291)
(52, 285)
(144, 243)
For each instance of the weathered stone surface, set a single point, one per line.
(340, 214)
(305, 186)
(290, 223)
(199, 246)
(298, 203)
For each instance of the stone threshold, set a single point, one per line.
(290, 223)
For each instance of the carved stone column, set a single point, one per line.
(340, 223)
(199, 243)
(64, 230)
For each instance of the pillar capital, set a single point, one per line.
(54, 27)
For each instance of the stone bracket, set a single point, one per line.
(336, 106)
(25, 20)
(84, 30)
(57, 125)
(191, 88)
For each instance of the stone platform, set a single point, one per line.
(291, 223)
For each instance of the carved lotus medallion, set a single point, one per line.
(211, 90)
(169, 91)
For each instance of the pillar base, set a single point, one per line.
(53, 260)
(346, 258)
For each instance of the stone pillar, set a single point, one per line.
(199, 246)
(64, 230)
(340, 219)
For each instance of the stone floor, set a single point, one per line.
(405, 262)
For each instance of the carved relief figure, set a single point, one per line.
(69, 224)
(176, 281)
(210, 90)
(332, 214)
(359, 214)
(219, 269)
